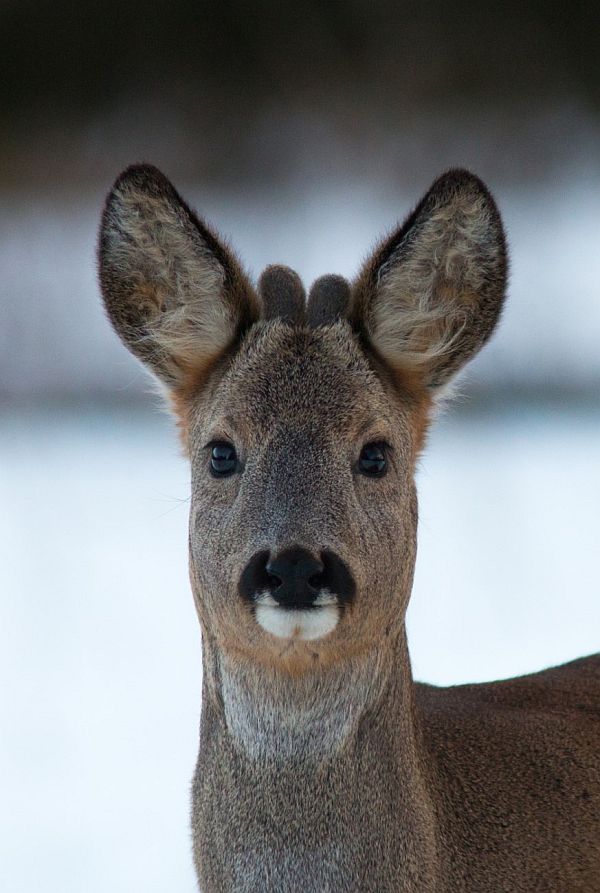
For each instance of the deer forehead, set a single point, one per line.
(313, 382)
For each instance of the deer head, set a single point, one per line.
(302, 420)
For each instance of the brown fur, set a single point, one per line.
(160, 268)
(322, 766)
(438, 281)
(282, 295)
(328, 301)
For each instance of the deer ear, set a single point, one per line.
(174, 293)
(431, 294)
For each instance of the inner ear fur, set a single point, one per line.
(431, 294)
(174, 292)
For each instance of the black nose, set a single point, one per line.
(295, 577)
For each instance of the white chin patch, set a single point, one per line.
(298, 623)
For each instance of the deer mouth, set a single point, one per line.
(295, 593)
(298, 621)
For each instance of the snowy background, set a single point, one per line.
(302, 138)
(100, 651)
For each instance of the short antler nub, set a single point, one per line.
(282, 295)
(328, 300)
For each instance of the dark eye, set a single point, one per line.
(223, 459)
(373, 461)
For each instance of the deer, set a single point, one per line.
(322, 765)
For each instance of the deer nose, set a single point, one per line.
(295, 577)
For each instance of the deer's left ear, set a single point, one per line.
(431, 294)
(174, 292)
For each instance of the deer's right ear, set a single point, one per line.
(175, 294)
(431, 294)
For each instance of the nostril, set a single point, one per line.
(337, 577)
(255, 577)
(316, 581)
(271, 571)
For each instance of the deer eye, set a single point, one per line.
(223, 459)
(373, 461)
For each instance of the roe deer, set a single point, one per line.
(322, 765)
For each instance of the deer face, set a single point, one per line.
(303, 514)
(302, 423)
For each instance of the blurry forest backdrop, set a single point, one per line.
(303, 131)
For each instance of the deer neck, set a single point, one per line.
(345, 746)
(315, 716)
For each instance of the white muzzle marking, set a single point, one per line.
(298, 623)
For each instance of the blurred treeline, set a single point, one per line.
(217, 79)
(302, 131)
